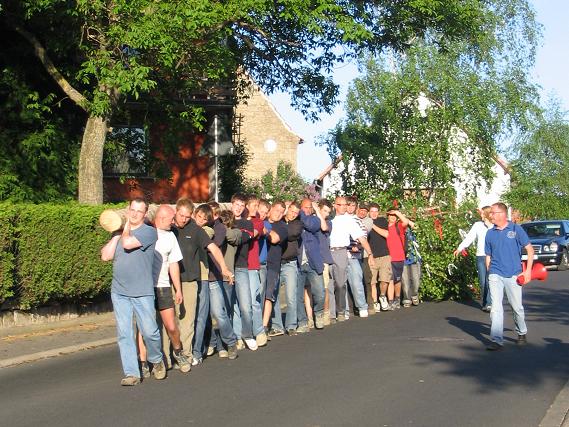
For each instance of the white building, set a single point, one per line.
(466, 184)
(329, 182)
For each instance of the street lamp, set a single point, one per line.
(217, 143)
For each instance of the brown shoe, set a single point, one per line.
(159, 370)
(130, 381)
(494, 346)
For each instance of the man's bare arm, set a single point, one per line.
(218, 257)
(381, 231)
(108, 251)
(530, 251)
(128, 240)
(174, 270)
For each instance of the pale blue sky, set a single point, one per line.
(551, 73)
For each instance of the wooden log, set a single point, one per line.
(114, 219)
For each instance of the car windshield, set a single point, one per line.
(542, 229)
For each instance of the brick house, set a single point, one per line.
(268, 138)
(254, 122)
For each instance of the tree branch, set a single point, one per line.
(52, 70)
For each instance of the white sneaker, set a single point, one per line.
(377, 307)
(364, 313)
(251, 343)
(383, 303)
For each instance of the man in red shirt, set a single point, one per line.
(395, 235)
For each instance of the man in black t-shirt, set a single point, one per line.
(192, 239)
(382, 271)
(276, 244)
(289, 272)
(243, 312)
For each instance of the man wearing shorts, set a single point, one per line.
(165, 268)
(395, 236)
(381, 274)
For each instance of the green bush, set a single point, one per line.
(7, 246)
(51, 253)
(446, 277)
(283, 184)
(59, 254)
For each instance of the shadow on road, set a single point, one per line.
(544, 357)
(527, 366)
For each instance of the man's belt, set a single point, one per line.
(337, 248)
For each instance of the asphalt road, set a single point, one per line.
(424, 366)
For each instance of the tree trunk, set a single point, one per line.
(91, 161)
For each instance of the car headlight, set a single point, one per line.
(553, 247)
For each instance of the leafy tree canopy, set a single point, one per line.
(282, 184)
(37, 161)
(133, 46)
(103, 52)
(540, 168)
(414, 119)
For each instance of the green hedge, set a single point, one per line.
(446, 277)
(7, 246)
(52, 254)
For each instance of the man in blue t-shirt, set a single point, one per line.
(504, 244)
(132, 292)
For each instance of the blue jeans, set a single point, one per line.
(498, 285)
(356, 280)
(316, 286)
(242, 305)
(202, 315)
(256, 301)
(289, 275)
(485, 297)
(263, 285)
(143, 309)
(219, 306)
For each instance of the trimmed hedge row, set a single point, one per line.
(52, 253)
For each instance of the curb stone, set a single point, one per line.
(557, 414)
(55, 352)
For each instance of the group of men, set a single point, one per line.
(214, 277)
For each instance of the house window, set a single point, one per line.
(126, 152)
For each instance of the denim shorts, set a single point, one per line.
(397, 270)
(164, 298)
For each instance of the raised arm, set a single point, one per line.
(108, 251)
(128, 240)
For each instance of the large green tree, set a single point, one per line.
(540, 168)
(103, 52)
(417, 118)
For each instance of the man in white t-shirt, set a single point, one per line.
(166, 268)
(343, 227)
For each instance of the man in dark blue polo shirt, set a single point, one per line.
(504, 244)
